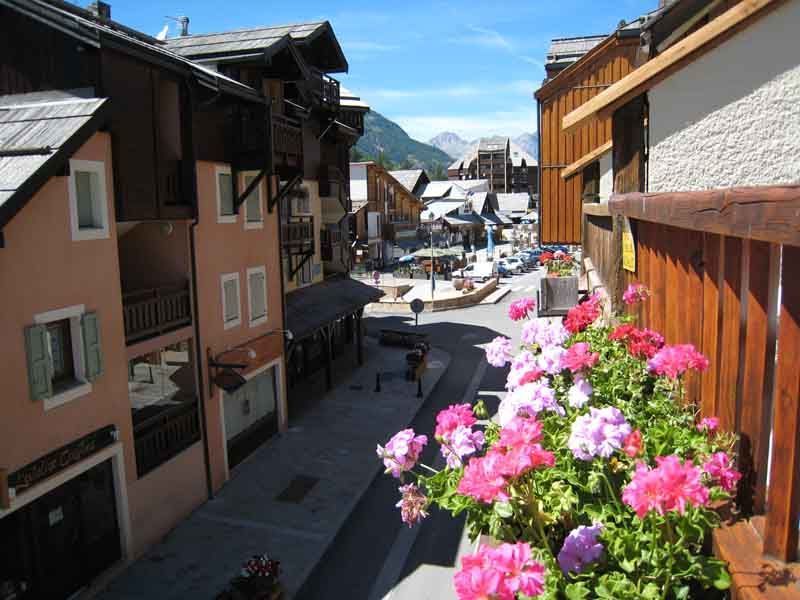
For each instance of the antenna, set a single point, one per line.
(184, 23)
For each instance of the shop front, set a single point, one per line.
(61, 530)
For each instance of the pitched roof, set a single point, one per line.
(408, 178)
(348, 99)
(513, 203)
(38, 134)
(572, 48)
(436, 189)
(493, 143)
(518, 154)
(439, 209)
(253, 40)
(92, 30)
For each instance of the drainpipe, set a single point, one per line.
(539, 173)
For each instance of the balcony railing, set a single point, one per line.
(299, 235)
(287, 137)
(148, 313)
(326, 90)
(353, 118)
(165, 435)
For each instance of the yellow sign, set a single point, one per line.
(628, 246)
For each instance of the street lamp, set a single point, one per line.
(431, 217)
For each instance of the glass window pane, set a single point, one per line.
(253, 202)
(231, 301)
(86, 192)
(225, 194)
(257, 295)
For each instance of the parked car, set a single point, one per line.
(482, 271)
(527, 261)
(515, 265)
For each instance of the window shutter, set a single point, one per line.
(40, 368)
(92, 354)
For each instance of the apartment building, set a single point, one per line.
(503, 164)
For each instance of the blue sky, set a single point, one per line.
(470, 67)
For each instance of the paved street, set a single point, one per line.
(374, 554)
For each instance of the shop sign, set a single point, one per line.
(60, 459)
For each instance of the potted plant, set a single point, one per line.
(559, 290)
(469, 285)
(258, 580)
(458, 283)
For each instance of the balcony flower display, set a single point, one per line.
(259, 579)
(593, 480)
(558, 263)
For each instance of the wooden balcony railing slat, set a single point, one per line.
(165, 435)
(160, 313)
(783, 503)
(712, 279)
(729, 350)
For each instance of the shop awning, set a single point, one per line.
(311, 308)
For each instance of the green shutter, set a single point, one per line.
(92, 355)
(40, 368)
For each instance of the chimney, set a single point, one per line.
(100, 9)
(184, 21)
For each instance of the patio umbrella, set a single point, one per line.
(406, 258)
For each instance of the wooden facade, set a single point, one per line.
(560, 199)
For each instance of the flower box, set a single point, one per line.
(557, 295)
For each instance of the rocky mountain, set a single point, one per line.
(451, 143)
(385, 141)
(456, 146)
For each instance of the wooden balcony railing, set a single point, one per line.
(299, 234)
(287, 137)
(353, 118)
(327, 90)
(165, 435)
(724, 269)
(148, 313)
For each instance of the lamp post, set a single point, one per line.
(431, 217)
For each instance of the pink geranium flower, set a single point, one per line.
(636, 292)
(671, 486)
(499, 352)
(721, 470)
(632, 446)
(674, 361)
(500, 573)
(452, 417)
(708, 424)
(579, 357)
(520, 309)
(401, 453)
(584, 314)
(483, 479)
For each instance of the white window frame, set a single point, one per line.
(255, 322)
(248, 224)
(238, 320)
(222, 170)
(100, 210)
(82, 387)
(307, 199)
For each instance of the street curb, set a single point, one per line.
(496, 296)
(446, 359)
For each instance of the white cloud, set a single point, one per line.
(520, 86)
(488, 38)
(469, 126)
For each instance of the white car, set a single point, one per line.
(514, 265)
(480, 271)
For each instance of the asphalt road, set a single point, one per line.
(374, 553)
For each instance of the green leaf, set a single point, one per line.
(503, 510)
(576, 591)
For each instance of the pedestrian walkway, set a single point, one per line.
(292, 496)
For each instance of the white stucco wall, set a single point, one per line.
(606, 178)
(732, 117)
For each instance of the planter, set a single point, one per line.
(557, 295)
(458, 284)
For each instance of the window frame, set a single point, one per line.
(100, 203)
(223, 170)
(224, 278)
(81, 386)
(248, 224)
(258, 320)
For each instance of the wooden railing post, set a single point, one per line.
(783, 501)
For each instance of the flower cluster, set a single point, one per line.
(524, 369)
(402, 452)
(580, 548)
(261, 566)
(500, 573)
(454, 432)
(635, 293)
(579, 357)
(521, 309)
(528, 400)
(580, 392)
(558, 263)
(413, 504)
(518, 451)
(543, 333)
(641, 343)
(719, 467)
(708, 424)
(671, 486)
(600, 433)
(633, 444)
(499, 351)
(674, 361)
(584, 314)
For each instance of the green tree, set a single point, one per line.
(437, 172)
(357, 155)
(406, 164)
(384, 161)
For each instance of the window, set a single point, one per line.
(591, 182)
(63, 354)
(252, 205)
(257, 291)
(305, 274)
(231, 314)
(88, 200)
(225, 211)
(301, 205)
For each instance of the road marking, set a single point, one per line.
(517, 288)
(531, 288)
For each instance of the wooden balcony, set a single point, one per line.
(153, 312)
(325, 90)
(353, 118)
(165, 434)
(287, 143)
(298, 236)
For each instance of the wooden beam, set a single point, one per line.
(283, 191)
(586, 160)
(769, 214)
(596, 209)
(5, 497)
(248, 190)
(671, 60)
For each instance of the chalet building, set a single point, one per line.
(414, 180)
(163, 206)
(705, 137)
(314, 125)
(385, 215)
(515, 207)
(565, 51)
(503, 164)
(449, 190)
(463, 221)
